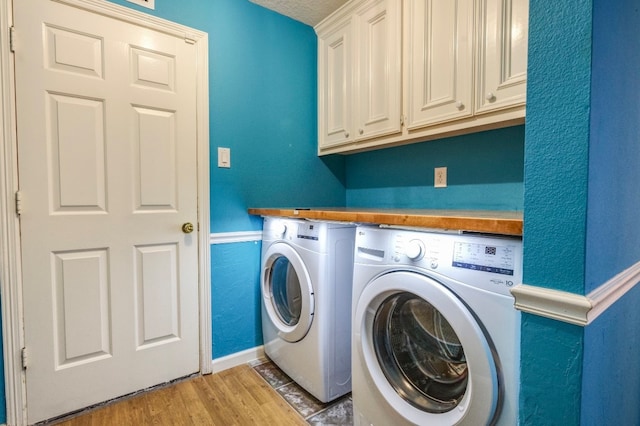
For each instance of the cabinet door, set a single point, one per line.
(378, 88)
(438, 60)
(335, 90)
(502, 54)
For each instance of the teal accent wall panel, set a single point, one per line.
(557, 144)
(552, 354)
(264, 108)
(235, 297)
(484, 171)
(611, 371)
(614, 155)
(611, 383)
(3, 399)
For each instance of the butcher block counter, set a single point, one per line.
(487, 221)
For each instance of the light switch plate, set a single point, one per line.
(224, 157)
(149, 4)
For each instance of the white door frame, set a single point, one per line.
(10, 259)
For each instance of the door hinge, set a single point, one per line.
(18, 203)
(12, 37)
(402, 120)
(189, 39)
(23, 354)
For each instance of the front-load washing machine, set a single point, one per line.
(436, 338)
(306, 283)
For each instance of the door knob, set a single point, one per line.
(187, 228)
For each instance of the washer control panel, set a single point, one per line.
(495, 257)
(491, 262)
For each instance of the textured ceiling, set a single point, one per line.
(310, 12)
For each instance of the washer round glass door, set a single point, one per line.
(287, 292)
(425, 351)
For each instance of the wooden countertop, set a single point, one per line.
(489, 221)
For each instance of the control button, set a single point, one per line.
(414, 250)
(434, 264)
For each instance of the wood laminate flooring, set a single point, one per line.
(256, 394)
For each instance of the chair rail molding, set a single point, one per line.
(235, 237)
(574, 308)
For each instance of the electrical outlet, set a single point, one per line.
(440, 177)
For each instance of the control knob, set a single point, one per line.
(414, 250)
(279, 229)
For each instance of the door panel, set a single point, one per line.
(106, 115)
(157, 307)
(156, 152)
(78, 181)
(81, 311)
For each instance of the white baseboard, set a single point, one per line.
(233, 360)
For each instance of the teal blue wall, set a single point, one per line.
(555, 203)
(236, 323)
(3, 399)
(614, 156)
(264, 107)
(611, 382)
(484, 171)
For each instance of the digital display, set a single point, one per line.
(481, 257)
(307, 231)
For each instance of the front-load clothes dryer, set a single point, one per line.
(436, 338)
(306, 284)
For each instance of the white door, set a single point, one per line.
(107, 172)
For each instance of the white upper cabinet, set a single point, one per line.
(392, 72)
(359, 73)
(439, 61)
(377, 76)
(335, 76)
(502, 53)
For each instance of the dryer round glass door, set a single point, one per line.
(425, 351)
(287, 292)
